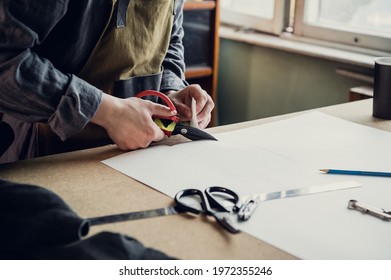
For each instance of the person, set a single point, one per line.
(76, 65)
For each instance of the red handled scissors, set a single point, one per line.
(171, 125)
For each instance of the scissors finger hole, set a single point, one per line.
(222, 198)
(192, 201)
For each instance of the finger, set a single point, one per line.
(184, 111)
(151, 130)
(200, 96)
(159, 135)
(160, 110)
(204, 123)
(206, 110)
(152, 133)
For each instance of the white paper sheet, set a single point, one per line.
(284, 155)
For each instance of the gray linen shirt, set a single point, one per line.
(34, 88)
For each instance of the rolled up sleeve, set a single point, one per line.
(32, 88)
(174, 64)
(75, 109)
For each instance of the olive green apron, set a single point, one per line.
(126, 60)
(135, 47)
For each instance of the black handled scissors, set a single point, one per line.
(171, 125)
(219, 202)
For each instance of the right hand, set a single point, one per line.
(129, 121)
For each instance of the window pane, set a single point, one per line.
(258, 8)
(361, 16)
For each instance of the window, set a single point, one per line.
(362, 23)
(264, 15)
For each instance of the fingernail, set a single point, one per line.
(174, 112)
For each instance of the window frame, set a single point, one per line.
(349, 38)
(275, 25)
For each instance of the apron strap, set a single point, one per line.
(121, 13)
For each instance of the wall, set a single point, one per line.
(257, 82)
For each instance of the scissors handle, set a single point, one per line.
(158, 94)
(209, 204)
(227, 195)
(168, 127)
(179, 197)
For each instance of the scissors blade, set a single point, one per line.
(173, 210)
(250, 202)
(192, 133)
(307, 191)
(224, 220)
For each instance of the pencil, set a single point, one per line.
(356, 172)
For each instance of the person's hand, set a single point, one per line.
(182, 101)
(129, 122)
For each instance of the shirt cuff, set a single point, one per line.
(76, 108)
(172, 82)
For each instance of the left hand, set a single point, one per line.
(182, 101)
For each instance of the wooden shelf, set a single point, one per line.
(360, 92)
(198, 72)
(199, 5)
